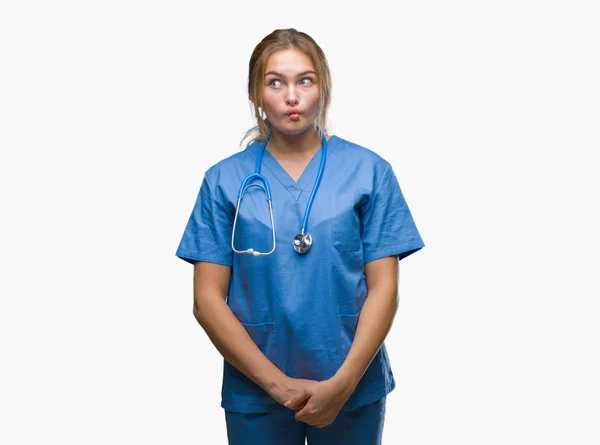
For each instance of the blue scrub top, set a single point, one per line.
(302, 310)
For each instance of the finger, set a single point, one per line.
(298, 400)
(300, 405)
(294, 400)
(304, 414)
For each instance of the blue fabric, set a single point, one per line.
(302, 310)
(360, 426)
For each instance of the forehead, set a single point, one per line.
(288, 61)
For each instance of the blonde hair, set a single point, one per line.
(281, 39)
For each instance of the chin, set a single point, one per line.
(296, 129)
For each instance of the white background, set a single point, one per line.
(110, 112)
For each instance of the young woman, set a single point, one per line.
(295, 243)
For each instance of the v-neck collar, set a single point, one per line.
(308, 176)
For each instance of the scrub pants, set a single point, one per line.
(359, 426)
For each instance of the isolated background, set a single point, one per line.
(110, 112)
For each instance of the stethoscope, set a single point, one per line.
(303, 241)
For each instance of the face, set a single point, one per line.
(290, 92)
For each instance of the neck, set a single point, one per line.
(305, 143)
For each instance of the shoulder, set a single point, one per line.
(349, 154)
(237, 162)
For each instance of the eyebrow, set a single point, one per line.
(303, 73)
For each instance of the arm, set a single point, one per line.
(374, 323)
(211, 284)
(388, 234)
(375, 319)
(388, 229)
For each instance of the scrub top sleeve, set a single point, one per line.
(388, 227)
(207, 236)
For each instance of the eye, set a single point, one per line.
(275, 83)
(306, 81)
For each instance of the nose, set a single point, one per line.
(291, 97)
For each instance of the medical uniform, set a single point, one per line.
(302, 310)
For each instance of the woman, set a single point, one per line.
(298, 297)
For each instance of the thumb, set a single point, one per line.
(297, 400)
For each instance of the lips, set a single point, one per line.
(293, 114)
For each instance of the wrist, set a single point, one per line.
(346, 381)
(274, 381)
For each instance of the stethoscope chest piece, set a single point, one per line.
(302, 242)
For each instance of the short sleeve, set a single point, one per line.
(387, 227)
(207, 236)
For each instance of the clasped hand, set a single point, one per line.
(317, 403)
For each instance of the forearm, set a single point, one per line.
(233, 342)
(374, 323)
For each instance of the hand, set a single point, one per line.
(320, 403)
(288, 388)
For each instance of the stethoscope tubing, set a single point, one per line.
(317, 182)
(267, 189)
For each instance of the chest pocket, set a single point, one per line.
(345, 223)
